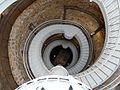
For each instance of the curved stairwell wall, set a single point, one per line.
(103, 75)
(7, 19)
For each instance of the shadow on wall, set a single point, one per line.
(118, 87)
(7, 19)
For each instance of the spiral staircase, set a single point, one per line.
(18, 18)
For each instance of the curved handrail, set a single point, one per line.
(109, 60)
